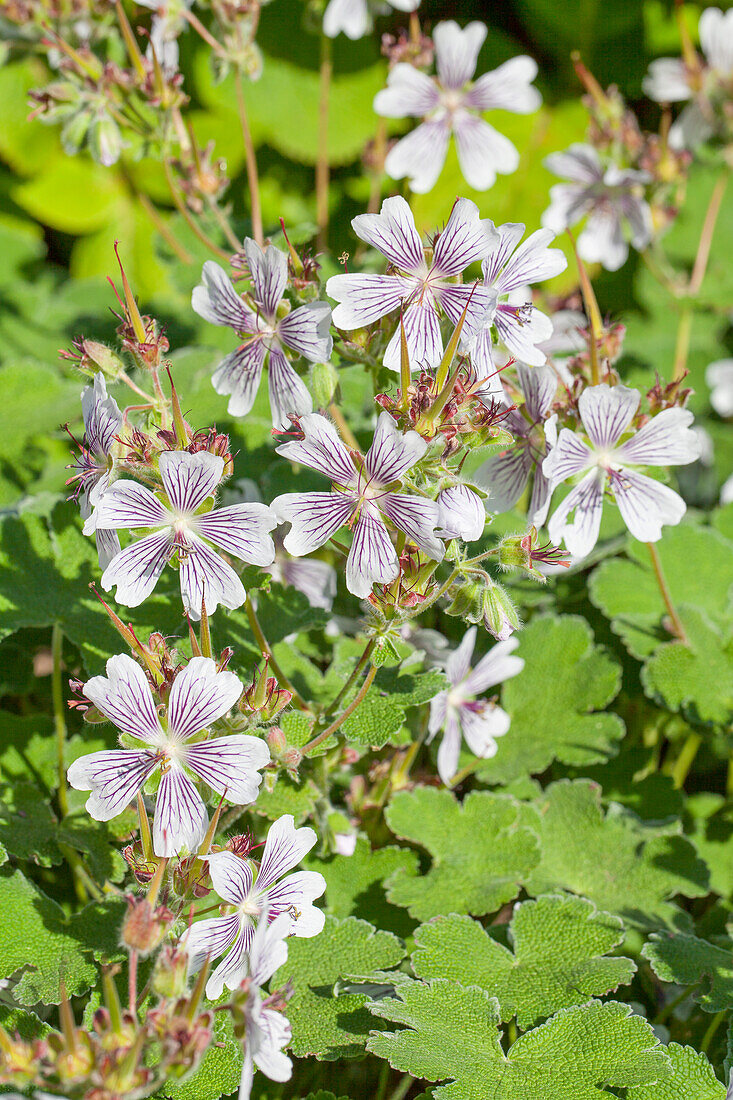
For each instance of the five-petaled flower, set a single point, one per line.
(423, 281)
(457, 711)
(182, 527)
(251, 896)
(364, 494)
(170, 744)
(506, 474)
(645, 504)
(611, 197)
(267, 1031)
(452, 104)
(267, 331)
(93, 467)
(353, 17)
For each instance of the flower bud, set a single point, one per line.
(105, 141)
(170, 976)
(144, 927)
(324, 380)
(277, 741)
(468, 599)
(499, 613)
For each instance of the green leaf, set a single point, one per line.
(693, 1078)
(28, 825)
(712, 835)
(324, 1025)
(355, 884)
(557, 961)
(481, 851)
(687, 960)
(286, 796)
(451, 1032)
(623, 864)
(25, 1024)
(72, 194)
(696, 676)
(566, 678)
(382, 713)
(698, 567)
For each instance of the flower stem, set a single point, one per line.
(677, 628)
(709, 1035)
(346, 432)
(59, 720)
(337, 722)
(352, 678)
(265, 649)
(322, 165)
(251, 162)
(685, 760)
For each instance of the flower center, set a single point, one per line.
(249, 907)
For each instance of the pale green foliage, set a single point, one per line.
(355, 883)
(695, 677)
(452, 1033)
(557, 959)
(687, 960)
(382, 713)
(481, 851)
(624, 865)
(693, 1078)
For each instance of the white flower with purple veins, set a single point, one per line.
(168, 23)
(506, 474)
(422, 282)
(612, 198)
(267, 330)
(172, 745)
(267, 1030)
(93, 467)
(363, 496)
(458, 712)
(719, 377)
(521, 327)
(249, 896)
(605, 461)
(184, 526)
(670, 80)
(354, 18)
(461, 514)
(451, 103)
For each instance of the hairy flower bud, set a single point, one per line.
(324, 380)
(170, 976)
(144, 926)
(499, 613)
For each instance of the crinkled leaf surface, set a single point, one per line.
(355, 884)
(566, 678)
(559, 944)
(692, 1078)
(695, 676)
(481, 851)
(687, 960)
(624, 865)
(451, 1032)
(325, 1025)
(382, 713)
(28, 825)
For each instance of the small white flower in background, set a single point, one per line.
(315, 579)
(250, 896)
(93, 467)
(459, 713)
(267, 1031)
(506, 474)
(726, 492)
(645, 504)
(670, 80)
(362, 498)
(422, 284)
(266, 334)
(508, 270)
(461, 514)
(719, 377)
(167, 25)
(567, 339)
(199, 696)
(451, 103)
(612, 198)
(180, 527)
(354, 18)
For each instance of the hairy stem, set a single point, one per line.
(253, 178)
(322, 165)
(677, 628)
(59, 718)
(352, 678)
(337, 722)
(265, 648)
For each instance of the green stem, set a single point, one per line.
(223, 223)
(337, 722)
(677, 628)
(684, 761)
(251, 163)
(59, 718)
(709, 1035)
(322, 164)
(403, 1088)
(352, 678)
(664, 1013)
(265, 648)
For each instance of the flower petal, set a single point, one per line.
(495, 667)
(114, 776)
(479, 300)
(408, 93)
(307, 331)
(450, 749)
(372, 558)
(269, 950)
(204, 575)
(102, 417)
(586, 500)
(456, 51)
(207, 939)
(239, 375)
(719, 377)
(392, 231)
(314, 518)
(505, 476)
(231, 876)
(666, 440)
(315, 579)
(269, 272)
(667, 80)
(124, 696)
(294, 896)
(438, 713)
(108, 546)
(216, 300)
(199, 695)
(189, 479)
(539, 386)
(321, 449)
(229, 765)
(532, 262)
(289, 396)
(508, 237)
(417, 517)
(602, 240)
(522, 329)
(461, 514)
(508, 88)
(467, 237)
(232, 970)
(392, 452)
(351, 17)
(579, 163)
(365, 298)
(126, 504)
(607, 412)
(275, 1033)
(284, 849)
(180, 820)
(645, 504)
(481, 729)
(459, 662)
(482, 151)
(420, 155)
(242, 530)
(570, 456)
(423, 336)
(135, 570)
